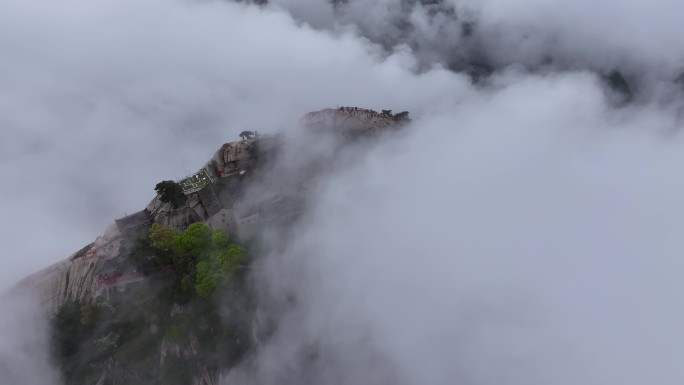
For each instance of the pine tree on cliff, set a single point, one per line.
(171, 192)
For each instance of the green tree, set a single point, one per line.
(206, 279)
(67, 331)
(231, 259)
(246, 135)
(72, 328)
(162, 237)
(222, 263)
(219, 239)
(188, 247)
(193, 240)
(404, 115)
(171, 192)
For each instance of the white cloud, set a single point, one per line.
(24, 356)
(524, 237)
(522, 232)
(103, 100)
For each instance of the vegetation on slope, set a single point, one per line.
(165, 329)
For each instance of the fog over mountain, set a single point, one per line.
(524, 229)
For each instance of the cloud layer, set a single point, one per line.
(522, 231)
(102, 100)
(525, 237)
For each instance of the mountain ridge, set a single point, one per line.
(128, 278)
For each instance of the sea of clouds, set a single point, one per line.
(524, 229)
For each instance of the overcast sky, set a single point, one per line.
(524, 231)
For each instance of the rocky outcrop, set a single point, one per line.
(74, 279)
(180, 218)
(234, 157)
(353, 120)
(139, 332)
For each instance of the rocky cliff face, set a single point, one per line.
(117, 320)
(70, 280)
(75, 279)
(122, 324)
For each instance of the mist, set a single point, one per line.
(522, 230)
(543, 250)
(24, 353)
